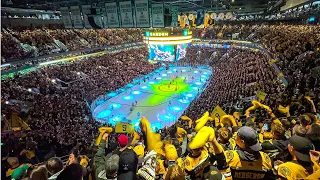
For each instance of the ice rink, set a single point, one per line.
(161, 97)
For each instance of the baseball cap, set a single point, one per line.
(128, 162)
(250, 138)
(112, 165)
(302, 147)
(123, 140)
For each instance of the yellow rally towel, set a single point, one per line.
(102, 130)
(139, 150)
(181, 133)
(202, 121)
(205, 135)
(283, 110)
(136, 137)
(186, 118)
(152, 138)
(170, 152)
(228, 120)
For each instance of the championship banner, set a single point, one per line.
(217, 112)
(86, 9)
(66, 17)
(112, 15)
(142, 13)
(182, 20)
(76, 16)
(122, 127)
(157, 15)
(126, 14)
(200, 18)
(261, 95)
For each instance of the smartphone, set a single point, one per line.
(265, 127)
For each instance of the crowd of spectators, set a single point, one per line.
(237, 74)
(62, 125)
(57, 111)
(21, 44)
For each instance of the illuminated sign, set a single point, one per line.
(159, 34)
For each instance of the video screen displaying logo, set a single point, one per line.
(161, 52)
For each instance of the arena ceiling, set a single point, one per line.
(236, 6)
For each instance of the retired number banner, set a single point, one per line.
(76, 16)
(126, 14)
(112, 15)
(157, 15)
(66, 17)
(142, 13)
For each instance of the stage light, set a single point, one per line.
(159, 78)
(164, 75)
(168, 42)
(78, 73)
(151, 82)
(128, 97)
(53, 80)
(112, 94)
(185, 32)
(175, 108)
(115, 106)
(184, 101)
(130, 85)
(195, 72)
(169, 38)
(7, 102)
(29, 89)
(198, 83)
(144, 87)
(189, 95)
(136, 92)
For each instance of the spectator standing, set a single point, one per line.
(128, 160)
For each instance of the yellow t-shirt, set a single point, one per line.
(292, 171)
(241, 169)
(195, 166)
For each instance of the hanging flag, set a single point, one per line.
(126, 14)
(200, 18)
(142, 13)
(157, 15)
(112, 15)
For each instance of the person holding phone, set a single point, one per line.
(278, 144)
